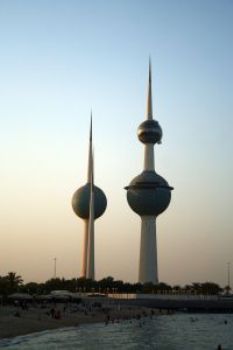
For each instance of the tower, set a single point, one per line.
(89, 203)
(148, 194)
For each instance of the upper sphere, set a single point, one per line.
(81, 202)
(149, 194)
(150, 132)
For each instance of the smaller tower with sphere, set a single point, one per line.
(89, 203)
(148, 194)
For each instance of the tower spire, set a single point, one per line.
(90, 153)
(149, 95)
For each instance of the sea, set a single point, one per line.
(179, 331)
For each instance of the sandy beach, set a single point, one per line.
(15, 321)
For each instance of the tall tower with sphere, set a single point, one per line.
(89, 203)
(148, 194)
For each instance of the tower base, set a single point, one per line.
(148, 251)
(85, 243)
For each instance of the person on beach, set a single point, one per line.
(52, 312)
(57, 315)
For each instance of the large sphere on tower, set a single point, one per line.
(148, 194)
(81, 202)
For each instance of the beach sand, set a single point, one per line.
(15, 321)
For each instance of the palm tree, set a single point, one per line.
(227, 290)
(4, 285)
(211, 288)
(14, 281)
(177, 289)
(106, 283)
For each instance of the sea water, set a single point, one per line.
(166, 332)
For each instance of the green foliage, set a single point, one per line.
(12, 283)
(32, 288)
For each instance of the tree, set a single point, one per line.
(148, 287)
(13, 281)
(32, 288)
(210, 288)
(106, 283)
(54, 284)
(177, 288)
(4, 286)
(162, 287)
(227, 289)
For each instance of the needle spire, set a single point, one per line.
(149, 96)
(90, 153)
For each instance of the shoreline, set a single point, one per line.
(14, 321)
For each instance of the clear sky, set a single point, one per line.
(58, 60)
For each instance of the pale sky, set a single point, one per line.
(58, 60)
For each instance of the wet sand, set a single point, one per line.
(14, 321)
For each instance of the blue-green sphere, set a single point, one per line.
(148, 194)
(81, 202)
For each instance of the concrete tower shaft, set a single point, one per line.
(90, 243)
(148, 264)
(148, 194)
(89, 203)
